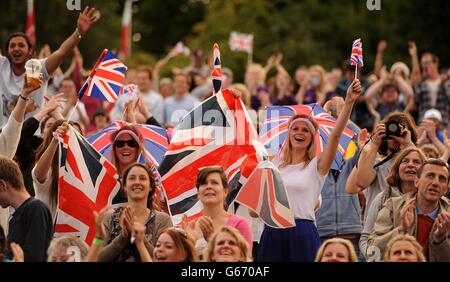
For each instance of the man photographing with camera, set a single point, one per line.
(394, 133)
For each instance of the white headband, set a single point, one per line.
(305, 120)
(127, 131)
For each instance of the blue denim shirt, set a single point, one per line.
(340, 212)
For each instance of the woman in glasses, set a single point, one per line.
(303, 174)
(212, 188)
(127, 146)
(119, 229)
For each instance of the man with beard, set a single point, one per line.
(18, 51)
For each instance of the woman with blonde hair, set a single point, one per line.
(314, 90)
(303, 173)
(336, 250)
(67, 249)
(227, 245)
(404, 248)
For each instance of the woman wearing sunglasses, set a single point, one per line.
(127, 146)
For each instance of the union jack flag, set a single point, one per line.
(219, 132)
(130, 89)
(241, 42)
(274, 130)
(356, 57)
(106, 78)
(87, 183)
(217, 71)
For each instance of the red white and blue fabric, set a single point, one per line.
(130, 89)
(179, 48)
(217, 71)
(275, 128)
(106, 79)
(356, 57)
(87, 183)
(219, 132)
(155, 141)
(241, 42)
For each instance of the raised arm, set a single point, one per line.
(85, 20)
(406, 89)
(416, 76)
(363, 173)
(379, 57)
(326, 158)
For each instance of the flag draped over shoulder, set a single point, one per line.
(106, 79)
(87, 183)
(219, 132)
(356, 58)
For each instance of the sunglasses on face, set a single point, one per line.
(121, 143)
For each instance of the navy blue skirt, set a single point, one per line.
(299, 243)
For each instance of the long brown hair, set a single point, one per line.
(150, 176)
(286, 151)
(393, 178)
(54, 166)
(184, 244)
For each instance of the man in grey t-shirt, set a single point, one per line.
(18, 51)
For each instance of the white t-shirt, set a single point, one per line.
(11, 86)
(433, 85)
(42, 191)
(303, 186)
(153, 100)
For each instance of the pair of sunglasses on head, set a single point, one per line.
(130, 143)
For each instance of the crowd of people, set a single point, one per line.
(387, 202)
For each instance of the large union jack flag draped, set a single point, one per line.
(356, 57)
(274, 130)
(106, 78)
(87, 183)
(220, 132)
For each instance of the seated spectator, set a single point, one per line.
(173, 245)
(401, 180)
(139, 186)
(31, 225)
(424, 215)
(67, 249)
(212, 188)
(227, 245)
(336, 250)
(404, 248)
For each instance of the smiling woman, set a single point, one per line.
(401, 179)
(138, 216)
(227, 245)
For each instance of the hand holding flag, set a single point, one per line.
(356, 58)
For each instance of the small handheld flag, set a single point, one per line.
(356, 58)
(217, 71)
(106, 78)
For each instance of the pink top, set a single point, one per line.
(241, 224)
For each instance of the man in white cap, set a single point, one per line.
(430, 127)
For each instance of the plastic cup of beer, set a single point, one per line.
(33, 69)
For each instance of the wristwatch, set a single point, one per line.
(78, 33)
